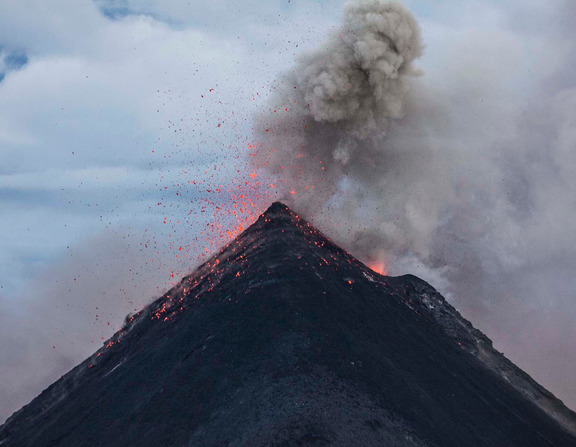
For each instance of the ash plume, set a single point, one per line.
(331, 128)
(358, 80)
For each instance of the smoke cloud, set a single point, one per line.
(359, 79)
(341, 123)
(463, 175)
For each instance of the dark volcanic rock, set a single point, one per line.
(284, 339)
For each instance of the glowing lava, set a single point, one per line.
(378, 267)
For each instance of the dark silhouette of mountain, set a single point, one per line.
(284, 339)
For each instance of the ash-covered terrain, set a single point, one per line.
(284, 339)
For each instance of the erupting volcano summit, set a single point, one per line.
(284, 339)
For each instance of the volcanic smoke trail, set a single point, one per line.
(326, 130)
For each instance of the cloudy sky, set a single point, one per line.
(119, 120)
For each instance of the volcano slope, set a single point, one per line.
(284, 339)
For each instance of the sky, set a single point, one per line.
(122, 123)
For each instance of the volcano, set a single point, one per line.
(284, 339)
